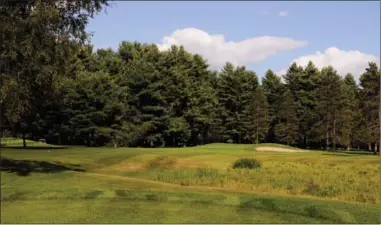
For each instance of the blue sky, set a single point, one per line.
(352, 28)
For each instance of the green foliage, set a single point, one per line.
(38, 42)
(236, 89)
(286, 126)
(57, 87)
(258, 118)
(246, 163)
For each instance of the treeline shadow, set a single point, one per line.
(35, 147)
(26, 167)
(349, 153)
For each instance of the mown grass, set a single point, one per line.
(16, 142)
(188, 185)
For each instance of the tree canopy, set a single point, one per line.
(55, 85)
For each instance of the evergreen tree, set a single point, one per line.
(236, 89)
(329, 106)
(286, 130)
(303, 85)
(258, 117)
(350, 113)
(370, 106)
(273, 89)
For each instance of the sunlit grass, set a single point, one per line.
(186, 185)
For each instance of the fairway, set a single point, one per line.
(188, 185)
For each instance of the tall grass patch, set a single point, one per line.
(306, 177)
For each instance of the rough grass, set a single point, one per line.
(188, 185)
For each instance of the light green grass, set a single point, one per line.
(17, 142)
(192, 185)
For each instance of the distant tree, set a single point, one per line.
(369, 96)
(286, 130)
(236, 89)
(350, 111)
(257, 114)
(303, 85)
(273, 89)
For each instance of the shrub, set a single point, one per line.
(246, 163)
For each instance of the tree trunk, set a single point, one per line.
(334, 135)
(327, 141)
(307, 143)
(369, 146)
(375, 149)
(23, 140)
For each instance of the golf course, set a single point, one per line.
(45, 184)
(194, 112)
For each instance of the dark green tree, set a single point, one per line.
(273, 88)
(258, 117)
(369, 97)
(286, 129)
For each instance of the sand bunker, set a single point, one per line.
(277, 149)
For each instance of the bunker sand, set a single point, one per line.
(277, 149)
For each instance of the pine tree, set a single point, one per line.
(370, 106)
(273, 89)
(329, 106)
(349, 115)
(286, 130)
(148, 108)
(258, 117)
(236, 88)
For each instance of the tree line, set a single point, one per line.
(59, 88)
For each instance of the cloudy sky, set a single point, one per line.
(259, 35)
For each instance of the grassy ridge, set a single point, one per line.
(187, 185)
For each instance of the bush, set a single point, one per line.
(246, 163)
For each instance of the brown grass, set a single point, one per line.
(168, 162)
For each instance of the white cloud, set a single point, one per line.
(343, 61)
(218, 51)
(282, 13)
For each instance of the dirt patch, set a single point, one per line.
(125, 166)
(163, 162)
(277, 149)
(172, 162)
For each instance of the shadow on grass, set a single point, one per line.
(350, 153)
(25, 167)
(35, 147)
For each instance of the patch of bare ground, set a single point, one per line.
(277, 149)
(173, 162)
(165, 162)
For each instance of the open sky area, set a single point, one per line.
(259, 35)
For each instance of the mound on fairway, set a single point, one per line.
(277, 149)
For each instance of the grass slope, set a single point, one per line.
(187, 185)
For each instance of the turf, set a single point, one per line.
(187, 185)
